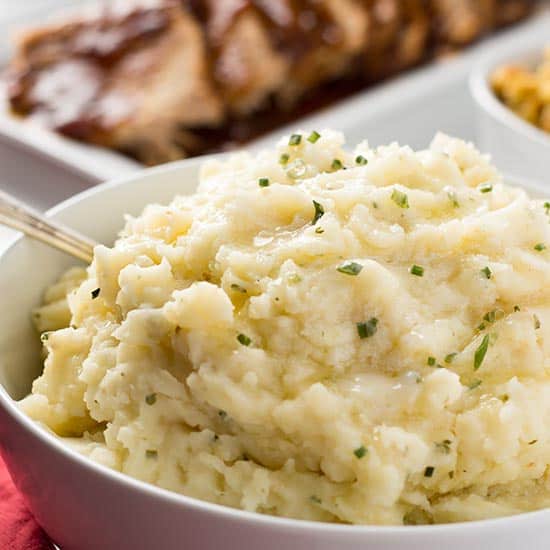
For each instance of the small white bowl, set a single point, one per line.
(516, 146)
(85, 506)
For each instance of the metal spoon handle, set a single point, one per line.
(22, 217)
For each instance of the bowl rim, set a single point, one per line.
(56, 445)
(481, 91)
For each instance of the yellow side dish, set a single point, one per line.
(526, 90)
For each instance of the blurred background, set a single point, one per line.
(381, 69)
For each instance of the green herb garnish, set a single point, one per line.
(429, 471)
(494, 315)
(319, 212)
(350, 268)
(95, 293)
(44, 336)
(360, 452)
(244, 339)
(263, 182)
(431, 361)
(539, 247)
(453, 199)
(536, 322)
(400, 198)
(449, 357)
(417, 270)
(481, 352)
(487, 272)
(361, 160)
(313, 137)
(547, 207)
(475, 384)
(295, 139)
(486, 187)
(532, 442)
(319, 230)
(368, 328)
(336, 164)
(283, 159)
(151, 399)
(150, 453)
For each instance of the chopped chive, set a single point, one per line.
(350, 268)
(481, 326)
(360, 452)
(295, 139)
(313, 137)
(319, 230)
(429, 471)
(486, 187)
(368, 328)
(451, 475)
(536, 322)
(44, 336)
(431, 361)
(95, 293)
(361, 160)
(532, 442)
(319, 212)
(283, 159)
(238, 288)
(539, 247)
(444, 446)
(374, 204)
(417, 270)
(150, 453)
(475, 384)
(151, 399)
(547, 207)
(400, 198)
(336, 164)
(453, 199)
(494, 315)
(487, 272)
(449, 358)
(244, 339)
(263, 182)
(315, 499)
(481, 352)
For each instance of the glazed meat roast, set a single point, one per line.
(161, 80)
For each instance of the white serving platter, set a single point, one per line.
(45, 168)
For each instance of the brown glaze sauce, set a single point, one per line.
(49, 93)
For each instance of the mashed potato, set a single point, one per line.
(348, 337)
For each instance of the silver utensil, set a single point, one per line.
(22, 217)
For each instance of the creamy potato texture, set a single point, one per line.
(350, 337)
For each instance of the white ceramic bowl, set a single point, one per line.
(84, 506)
(516, 146)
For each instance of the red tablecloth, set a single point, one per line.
(18, 529)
